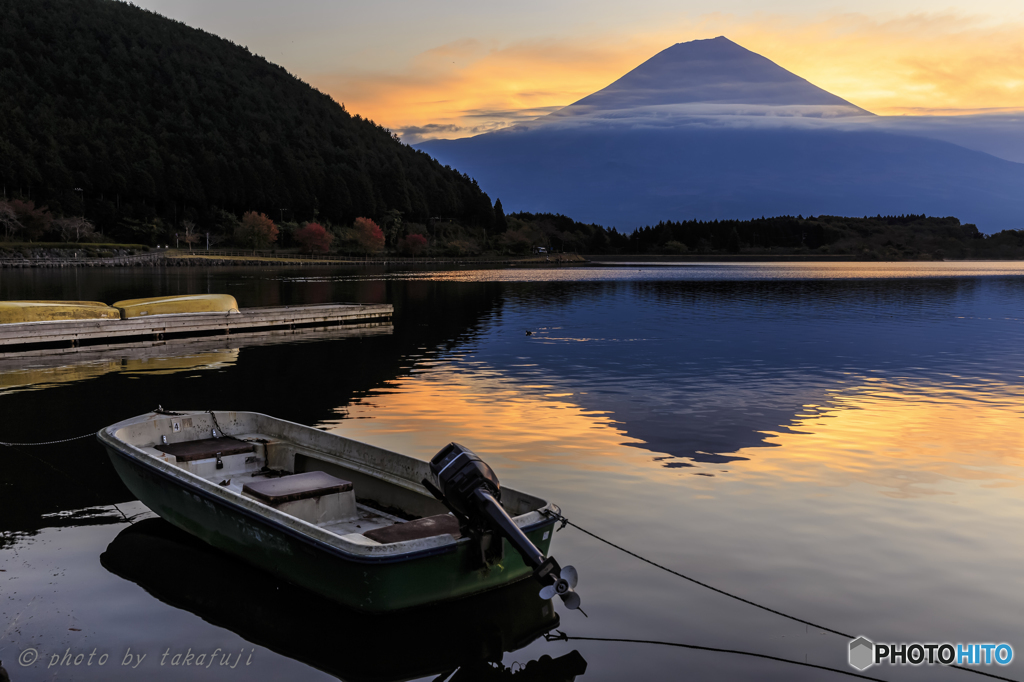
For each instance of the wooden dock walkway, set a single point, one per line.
(15, 338)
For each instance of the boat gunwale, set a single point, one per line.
(180, 478)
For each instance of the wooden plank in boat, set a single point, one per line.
(207, 448)
(426, 527)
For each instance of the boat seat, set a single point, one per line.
(277, 491)
(427, 527)
(208, 448)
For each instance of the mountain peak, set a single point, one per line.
(715, 72)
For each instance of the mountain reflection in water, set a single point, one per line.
(839, 442)
(468, 635)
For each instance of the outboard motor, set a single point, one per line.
(470, 490)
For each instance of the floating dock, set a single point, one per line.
(20, 337)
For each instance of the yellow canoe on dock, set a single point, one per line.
(14, 312)
(172, 305)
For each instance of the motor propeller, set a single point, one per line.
(563, 587)
(470, 490)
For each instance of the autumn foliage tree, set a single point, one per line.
(369, 235)
(314, 238)
(256, 231)
(412, 245)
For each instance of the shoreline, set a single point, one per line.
(612, 260)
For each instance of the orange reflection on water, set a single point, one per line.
(908, 438)
(513, 423)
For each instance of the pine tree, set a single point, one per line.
(500, 224)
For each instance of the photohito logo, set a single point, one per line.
(864, 653)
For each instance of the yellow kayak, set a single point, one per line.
(170, 305)
(13, 312)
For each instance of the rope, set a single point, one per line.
(567, 522)
(561, 636)
(50, 442)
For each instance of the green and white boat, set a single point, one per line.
(357, 524)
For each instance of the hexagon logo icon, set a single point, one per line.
(862, 653)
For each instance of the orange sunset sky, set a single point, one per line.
(459, 68)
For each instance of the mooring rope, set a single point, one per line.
(567, 522)
(50, 442)
(562, 637)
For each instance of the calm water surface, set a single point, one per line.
(842, 443)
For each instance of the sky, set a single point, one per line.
(453, 68)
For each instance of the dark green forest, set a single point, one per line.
(885, 237)
(904, 237)
(138, 122)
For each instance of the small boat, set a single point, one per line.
(173, 305)
(365, 527)
(19, 312)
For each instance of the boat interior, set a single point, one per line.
(363, 494)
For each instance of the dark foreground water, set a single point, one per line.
(841, 443)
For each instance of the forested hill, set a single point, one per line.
(152, 119)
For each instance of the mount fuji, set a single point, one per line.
(711, 76)
(710, 130)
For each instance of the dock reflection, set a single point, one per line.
(459, 641)
(46, 368)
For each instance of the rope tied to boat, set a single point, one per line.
(91, 434)
(561, 636)
(566, 522)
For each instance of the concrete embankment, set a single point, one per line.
(153, 261)
(164, 260)
(64, 258)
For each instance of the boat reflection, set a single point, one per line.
(459, 641)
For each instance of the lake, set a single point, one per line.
(841, 443)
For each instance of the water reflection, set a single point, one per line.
(35, 374)
(904, 437)
(468, 636)
(533, 425)
(907, 438)
(705, 272)
(842, 444)
(36, 370)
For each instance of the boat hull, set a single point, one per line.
(22, 312)
(172, 305)
(370, 584)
